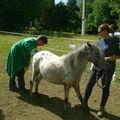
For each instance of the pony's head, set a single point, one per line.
(95, 56)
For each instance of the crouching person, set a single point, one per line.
(19, 59)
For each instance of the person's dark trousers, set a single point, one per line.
(106, 89)
(92, 81)
(21, 82)
(12, 83)
(90, 84)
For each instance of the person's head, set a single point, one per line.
(105, 29)
(112, 29)
(42, 40)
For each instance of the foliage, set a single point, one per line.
(43, 15)
(74, 20)
(115, 12)
(102, 11)
(58, 18)
(15, 15)
(57, 45)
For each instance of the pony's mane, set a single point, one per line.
(72, 56)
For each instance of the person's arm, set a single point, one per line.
(112, 58)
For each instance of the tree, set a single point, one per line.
(16, 14)
(74, 20)
(101, 12)
(58, 19)
(115, 12)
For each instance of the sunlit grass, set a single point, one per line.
(59, 46)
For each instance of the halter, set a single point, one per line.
(104, 73)
(91, 57)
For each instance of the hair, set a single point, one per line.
(42, 38)
(107, 27)
(112, 28)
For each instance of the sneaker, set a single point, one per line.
(101, 112)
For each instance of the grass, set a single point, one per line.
(15, 106)
(56, 45)
(62, 44)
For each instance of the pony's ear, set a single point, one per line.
(88, 43)
(89, 46)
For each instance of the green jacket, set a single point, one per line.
(19, 55)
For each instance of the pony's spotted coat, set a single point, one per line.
(66, 70)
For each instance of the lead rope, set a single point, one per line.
(104, 73)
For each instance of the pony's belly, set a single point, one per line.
(52, 72)
(52, 77)
(54, 81)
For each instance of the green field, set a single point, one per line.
(57, 45)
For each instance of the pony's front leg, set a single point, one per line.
(66, 93)
(77, 90)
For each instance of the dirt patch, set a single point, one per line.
(49, 104)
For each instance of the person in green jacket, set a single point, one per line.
(19, 59)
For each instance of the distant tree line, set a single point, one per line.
(102, 11)
(21, 15)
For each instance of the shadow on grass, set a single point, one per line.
(56, 105)
(1, 115)
(109, 116)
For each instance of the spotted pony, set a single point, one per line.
(66, 70)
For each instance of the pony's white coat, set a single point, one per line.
(66, 70)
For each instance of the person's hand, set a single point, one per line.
(34, 52)
(111, 58)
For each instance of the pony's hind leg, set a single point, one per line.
(33, 78)
(37, 83)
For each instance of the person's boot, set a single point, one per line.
(21, 85)
(14, 89)
(12, 85)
